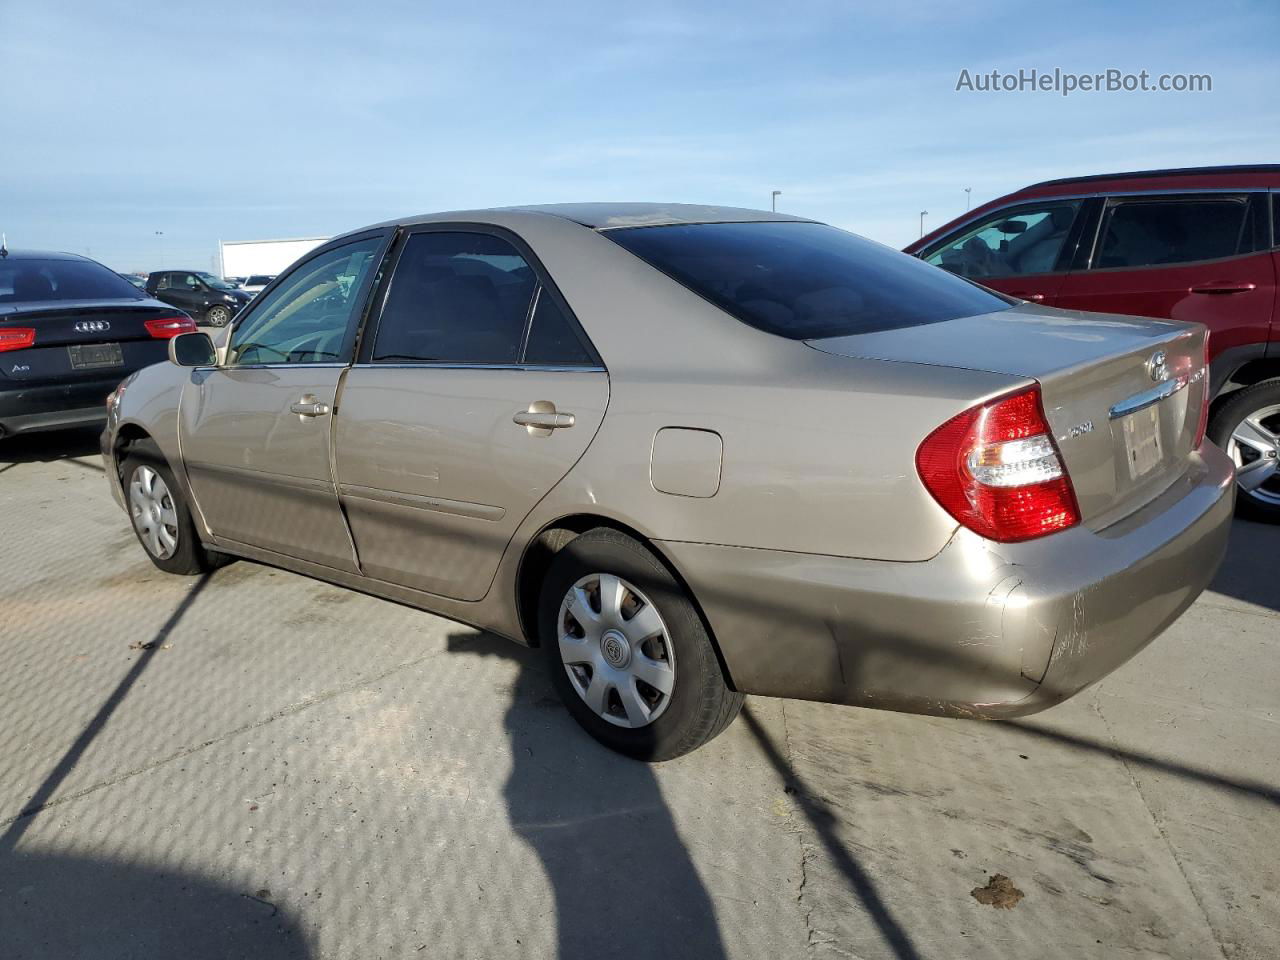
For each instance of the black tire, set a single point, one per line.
(1264, 503)
(700, 705)
(218, 316)
(189, 556)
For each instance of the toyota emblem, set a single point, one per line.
(1157, 367)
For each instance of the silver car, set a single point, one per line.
(694, 453)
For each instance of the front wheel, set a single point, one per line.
(1247, 427)
(628, 652)
(160, 515)
(218, 316)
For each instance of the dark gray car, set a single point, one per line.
(208, 299)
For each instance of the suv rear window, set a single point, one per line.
(806, 281)
(36, 281)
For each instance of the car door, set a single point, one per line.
(1198, 257)
(1022, 250)
(256, 430)
(474, 394)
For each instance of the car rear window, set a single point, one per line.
(36, 281)
(806, 280)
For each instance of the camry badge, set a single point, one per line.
(1157, 367)
(93, 326)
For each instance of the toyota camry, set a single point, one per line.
(694, 453)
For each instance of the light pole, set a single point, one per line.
(160, 234)
(923, 214)
(967, 191)
(773, 200)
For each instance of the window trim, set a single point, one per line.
(378, 302)
(349, 339)
(1111, 201)
(1061, 264)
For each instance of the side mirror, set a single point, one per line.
(192, 350)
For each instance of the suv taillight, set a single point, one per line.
(16, 338)
(162, 328)
(996, 469)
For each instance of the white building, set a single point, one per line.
(243, 258)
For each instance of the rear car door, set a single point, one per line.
(256, 430)
(1199, 257)
(474, 394)
(1022, 250)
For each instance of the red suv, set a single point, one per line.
(1198, 244)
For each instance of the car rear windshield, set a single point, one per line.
(35, 281)
(806, 281)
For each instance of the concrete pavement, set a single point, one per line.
(255, 764)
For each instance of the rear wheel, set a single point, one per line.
(218, 316)
(160, 515)
(1247, 427)
(628, 652)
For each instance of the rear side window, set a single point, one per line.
(38, 281)
(806, 280)
(456, 298)
(553, 337)
(1151, 233)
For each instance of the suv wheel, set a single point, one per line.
(218, 316)
(1247, 427)
(628, 652)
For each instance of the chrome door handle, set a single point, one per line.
(541, 418)
(309, 406)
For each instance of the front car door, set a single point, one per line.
(256, 430)
(1022, 250)
(1199, 257)
(475, 393)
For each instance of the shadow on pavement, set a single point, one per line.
(47, 446)
(1249, 571)
(55, 905)
(623, 882)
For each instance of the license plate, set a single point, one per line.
(90, 356)
(1142, 441)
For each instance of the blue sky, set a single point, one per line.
(277, 119)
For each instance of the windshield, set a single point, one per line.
(216, 282)
(35, 281)
(806, 280)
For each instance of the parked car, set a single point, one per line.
(211, 300)
(694, 453)
(70, 330)
(1200, 244)
(257, 282)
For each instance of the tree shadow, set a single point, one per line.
(49, 445)
(623, 882)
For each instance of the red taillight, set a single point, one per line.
(996, 469)
(16, 338)
(1205, 399)
(162, 328)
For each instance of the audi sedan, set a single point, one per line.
(694, 453)
(70, 331)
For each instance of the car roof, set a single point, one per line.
(43, 255)
(1227, 169)
(601, 216)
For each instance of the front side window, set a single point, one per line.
(1011, 243)
(456, 298)
(217, 283)
(805, 280)
(306, 319)
(1159, 231)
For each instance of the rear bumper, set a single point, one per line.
(982, 629)
(25, 409)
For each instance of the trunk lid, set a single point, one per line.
(82, 339)
(1124, 421)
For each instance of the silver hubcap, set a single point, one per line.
(1255, 447)
(616, 650)
(154, 515)
(218, 316)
